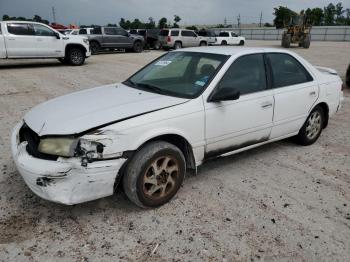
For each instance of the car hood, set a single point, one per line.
(81, 111)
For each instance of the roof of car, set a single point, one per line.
(230, 50)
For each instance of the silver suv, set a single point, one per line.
(177, 38)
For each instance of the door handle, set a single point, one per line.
(11, 39)
(266, 105)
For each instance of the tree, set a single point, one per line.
(329, 13)
(268, 25)
(151, 23)
(122, 23)
(314, 16)
(192, 27)
(162, 23)
(177, 19)
(282, 16)
(5, 18)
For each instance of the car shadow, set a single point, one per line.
(31, 64)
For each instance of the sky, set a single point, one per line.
(197, 12)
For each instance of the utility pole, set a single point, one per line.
(239, 20)
(225, 21)
(54, 14)
(260, 23)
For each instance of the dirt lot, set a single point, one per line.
(278, 202)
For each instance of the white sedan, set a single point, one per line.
(172, 115)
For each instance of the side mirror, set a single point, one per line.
(57, 35)
(224, 94)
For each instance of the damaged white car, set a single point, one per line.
(181, 109)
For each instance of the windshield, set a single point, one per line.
(181, 74)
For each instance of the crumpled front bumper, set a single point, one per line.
(65, 180)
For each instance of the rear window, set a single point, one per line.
(82, 32)
(164, 33)
(20, 29)
(175, 33)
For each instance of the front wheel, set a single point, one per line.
(95, 47)
(312, 128)
(177, 45)
(76, 56)
(154, 174)
(241, 42)
(203, 43)
(138, 47)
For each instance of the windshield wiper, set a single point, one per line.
(150, 87)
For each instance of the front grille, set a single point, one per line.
(33, 140)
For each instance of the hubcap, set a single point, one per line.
(76, 57)
(161, 177)
(313, 125)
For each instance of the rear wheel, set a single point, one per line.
(75, 56)
(312, 128)
(241, 42)
(138, 47)
(95, 47)
(177, 45)
(223, 42)
(154, 174)
(306, 42)
(203, 43)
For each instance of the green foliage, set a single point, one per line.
(192, 27)
(282, 16)
(163, 23)
(177, 19)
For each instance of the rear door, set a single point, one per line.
(123, 38)
(295, 92)
(20, 40)
(234, 38)
(189, 38)
(110, 37)
(2, 43)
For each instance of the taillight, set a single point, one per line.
(168, 39)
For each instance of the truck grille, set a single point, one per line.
(33, 140)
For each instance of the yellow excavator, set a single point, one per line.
(297, 32)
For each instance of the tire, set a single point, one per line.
(203, 43)
(177, 45)
(286, 39)
(157, 45)
(241, 42)
(137, 47)
(347, 77)
(312, 128)
(147, 180)
(95, 47)
(223, 42)
(306, 42)
(75, 56)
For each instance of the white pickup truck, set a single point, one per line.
(229, 38)
(24, 39)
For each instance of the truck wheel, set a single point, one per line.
(223, 42)
(76, 56)
(177, 45)
(312, 128)
(95, 47)
(137, 48)
(307, 40)
(203, 43)
(154, 174)
(241, 42)
(157, 45)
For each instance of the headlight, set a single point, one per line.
(58, 146)
(86, 41)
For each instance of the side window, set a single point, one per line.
(41, 30)
(188, 33)
(82, 32)
(246, 74)
(20, 29)
(110, 31)
(121, 32)
(234, 34)
(224, 34)
(175, 33)
(97, 31)
(286, 70)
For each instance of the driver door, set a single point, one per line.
(235, 124)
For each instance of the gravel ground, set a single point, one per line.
(278, 202)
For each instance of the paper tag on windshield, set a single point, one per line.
(200, 83)
(163, 63)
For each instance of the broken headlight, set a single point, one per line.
(58, 146)
(71, 147)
